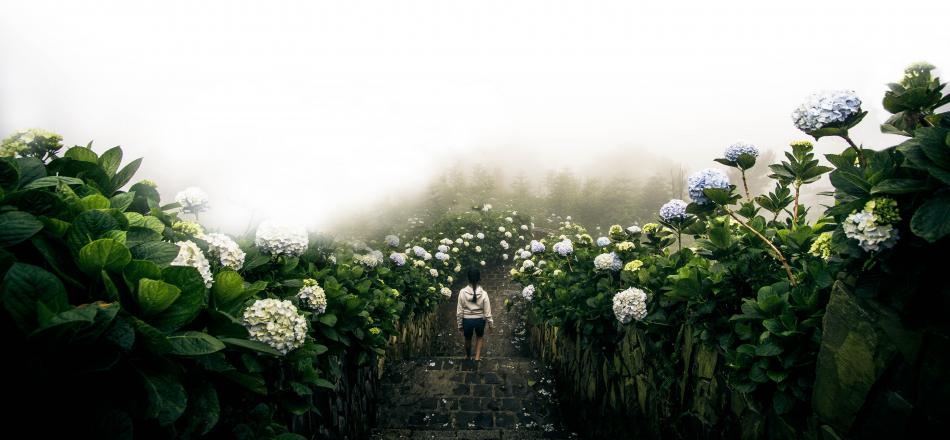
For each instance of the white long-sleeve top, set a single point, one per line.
(480, 308)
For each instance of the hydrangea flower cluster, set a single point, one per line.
(821, 247)
(371, 259)
(192, 199)
(398, 258)
(441, 256)
(392, 240)
(528, 292)
(443, 248)
(486, 207)
(603, 241)
(738, 149)
(33, 138)
(634, 230)
(871, 234)
(826, 108)
(707, 178)
(501, 229)
(537, 246)
(188, 228)
(524, 227)
(525, 254)
(509, 220)
(630, 304)
(526, 264)
(503, 244)
(312, 296)
(280, 239)
(624, 246)
(226, 249)
(564, 247)
(418, 251)
(189, 254)
(885, 209)
(673, 211)
(433, 272)
(608, 262)
(445, 291)
(479, 235)
(651, 228)
(633, 266)
(276, 323)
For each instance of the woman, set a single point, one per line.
(473, 311)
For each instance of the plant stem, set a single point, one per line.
(745, 185)
(778, 253)
(798, 188)
(679, 240)
(860, 151)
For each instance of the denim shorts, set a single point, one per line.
(476, 325)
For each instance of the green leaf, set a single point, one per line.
(251, 345)
(720, 196)
(228, 291)
(899, 186)
(203, 409)
(328, 319)
(251, 382)
(159, 252)
(103, 254)
(768, 348)
(89, 226)
(192, 300)
(110, 160)
(320, 349)
(9, 174)
(155, 296)
(323, 383)
(25, 287)
(782, 403)
(930, 222)
(122, 201)
(123, 177)
(166, 397)
(82, 154)
(17, 227)
(777, 376)
(48, 181)
(194, 343)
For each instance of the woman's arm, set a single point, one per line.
(487, 308)
(458, 311)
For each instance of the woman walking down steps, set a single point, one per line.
(472, 313)
(508, 395)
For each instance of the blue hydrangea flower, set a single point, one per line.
(826, 108)
(603, 241)
(398, 258)
(537, 246)
(441, 256)
(419, 251)
(739, 148)
(608, 262)
(564, 247)
(673, 211)
(708, 178)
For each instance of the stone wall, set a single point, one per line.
(348, 411)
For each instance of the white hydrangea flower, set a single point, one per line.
(443, 248)
(192, 199)
(507, 234)
(455, 249)
(419, 263)
(433, 272)
(501, 229)
(190, 255)
(427, 256)
(446, 241)
(608, 262)
(226, 249)
(482, 262)
(871, 236)
(634, 229)
(603, 241)
(504, 257)
(392, 240)
(281, 239)
(469, 236)
(458, 240)
(276, 323)
(486, 207)
(370, 260)
(398, 258)
(524, 227)
(503, 244)
(526, 264)
(418, 251)
(450, 279)
(509, 220)
(528, 292)
(446, 291)
(525, 254)
(630, 304)
(478, 248)
(480, 236)
(441, 256)
(312, 296)
(458, 268)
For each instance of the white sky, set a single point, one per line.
(307, 109)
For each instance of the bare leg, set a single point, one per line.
(468, 348)
(478, 347)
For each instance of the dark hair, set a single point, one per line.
(474, 276)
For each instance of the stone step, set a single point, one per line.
(483, 434)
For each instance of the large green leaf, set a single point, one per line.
(899, 186)
(87, 227)
(9, 174)
(159, 252)
(17, 226)
(193, 343)
(930, 222)
(110, 160)
(203, 409)
(251, 345)
(123, 176)
(122, 201)
(192, 300)
(48, 181)
(166, 397)
(155, 296)
(26, 287)
(228, 291)
(82, 154)
(103, 254)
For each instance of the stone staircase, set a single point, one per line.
(508, 395)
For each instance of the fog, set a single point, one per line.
(315, 111)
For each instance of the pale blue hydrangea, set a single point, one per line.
(398, 258)
(739, 148)
(564, 247)
(392, 240)
(537, 246)
(872, 236)
(826, 108)
(634, 229)
(441, 256)
(673, 211)
(708, 178)
(525, 254)
(603, 241)
(419, 251)
(608, 262)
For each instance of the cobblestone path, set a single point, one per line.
(508, 396)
